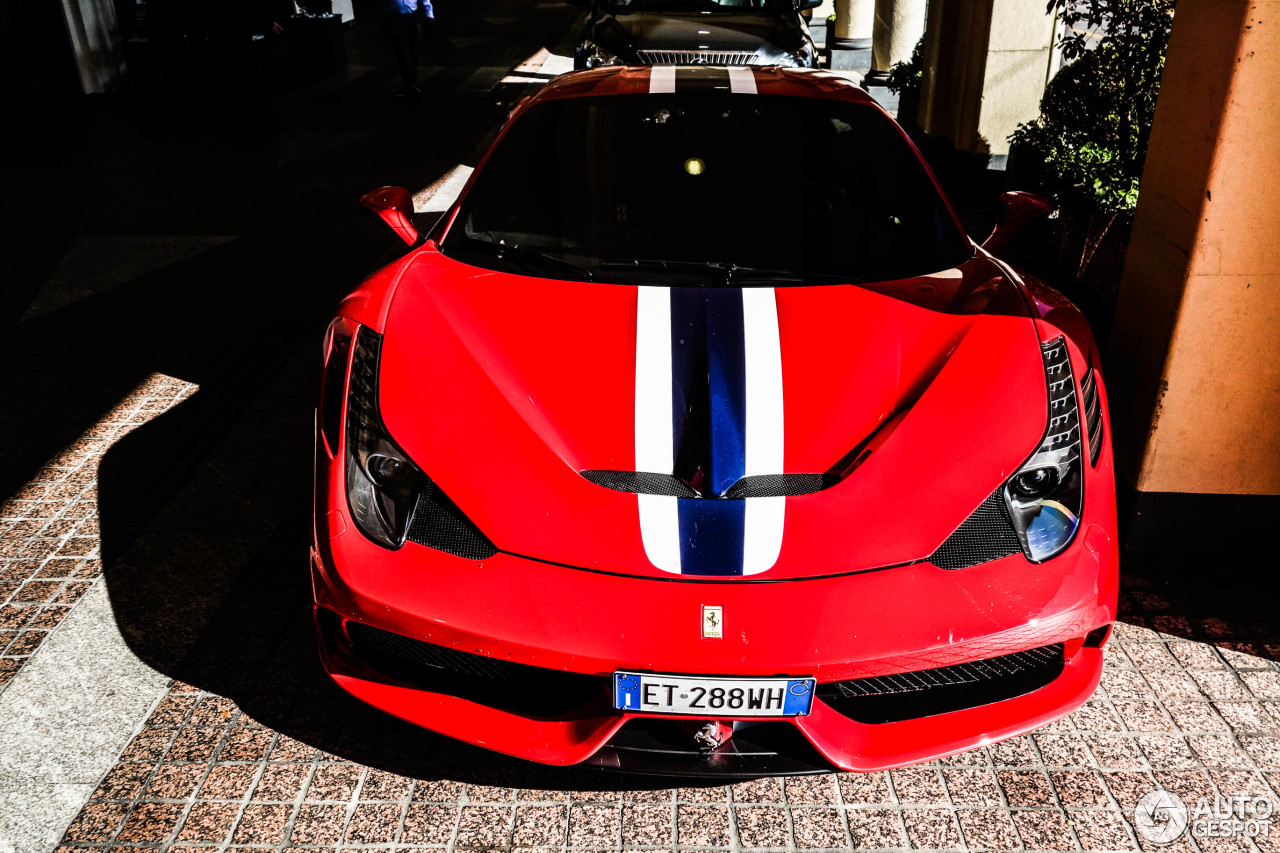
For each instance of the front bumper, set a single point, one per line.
(568, 620)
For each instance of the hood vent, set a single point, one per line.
(759, 486)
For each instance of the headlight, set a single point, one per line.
(802, 58)
(1045, 496)
(382, 483)
(592, 55)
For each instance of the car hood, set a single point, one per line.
(916, 399)
(629, 32)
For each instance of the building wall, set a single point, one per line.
(1194, 376)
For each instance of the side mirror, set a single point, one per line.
(1017, 211)
(394, 206)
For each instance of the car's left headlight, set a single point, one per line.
(382, 483)
(1045, 496)
(802, 58)
(592, 55)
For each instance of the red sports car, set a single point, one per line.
(698, 438)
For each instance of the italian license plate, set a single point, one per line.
(649, 693)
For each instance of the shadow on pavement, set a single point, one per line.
(205, 509)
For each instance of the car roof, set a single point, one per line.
(767, 80)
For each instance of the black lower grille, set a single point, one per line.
(519, 688)
(438, 523)
(666, 748)
(986, 535)
(924, 693)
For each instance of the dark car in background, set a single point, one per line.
(696, 32)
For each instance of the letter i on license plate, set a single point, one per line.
(649, 693)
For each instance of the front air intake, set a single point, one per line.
(515, 687)
(924, 693)
(986, 535)
(698, 57)
(438, 523)
(1092, 415)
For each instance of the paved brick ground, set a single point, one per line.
(1189, 701)
(49, 531)
(253, 748)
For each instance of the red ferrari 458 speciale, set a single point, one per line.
(698, 438)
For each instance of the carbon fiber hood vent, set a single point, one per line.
(759, 486)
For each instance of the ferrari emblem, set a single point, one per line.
(712, 622)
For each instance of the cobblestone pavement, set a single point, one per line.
(252, 747)
(257, 750)
(49, 531)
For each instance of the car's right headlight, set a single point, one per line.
(1045, 497)
(592, 55)
(382, 483)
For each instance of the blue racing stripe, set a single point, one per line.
(711, 535)
(709, 424)
(727, 377)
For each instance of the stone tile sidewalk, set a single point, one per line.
(1188, 702)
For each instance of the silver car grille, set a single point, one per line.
(698, 57)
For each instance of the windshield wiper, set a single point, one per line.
(732, 274)
(502, 250)
(757, 275)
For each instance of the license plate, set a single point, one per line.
(649, 693)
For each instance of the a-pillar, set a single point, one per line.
(898, 26)
(1194, 362)
(986, 64)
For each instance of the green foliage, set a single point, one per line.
(1088, 147)
(906, 76)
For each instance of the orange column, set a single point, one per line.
(1194, 362)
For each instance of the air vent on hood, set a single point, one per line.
(986, 535)
(758, 486)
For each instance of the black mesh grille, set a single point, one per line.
(642, 483)
(439, 524)
(986, 535)
(908, 695)
(777, 485)
(961, 673)
(1092, 415)
(515, 687)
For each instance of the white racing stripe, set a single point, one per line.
(659, 514)
(742, 81)
(762, 539)
(662, 81)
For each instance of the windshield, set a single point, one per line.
(774, 6)
(708, 188)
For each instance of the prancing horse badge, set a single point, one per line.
(712, 622)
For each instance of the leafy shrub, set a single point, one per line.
(1089, 144)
